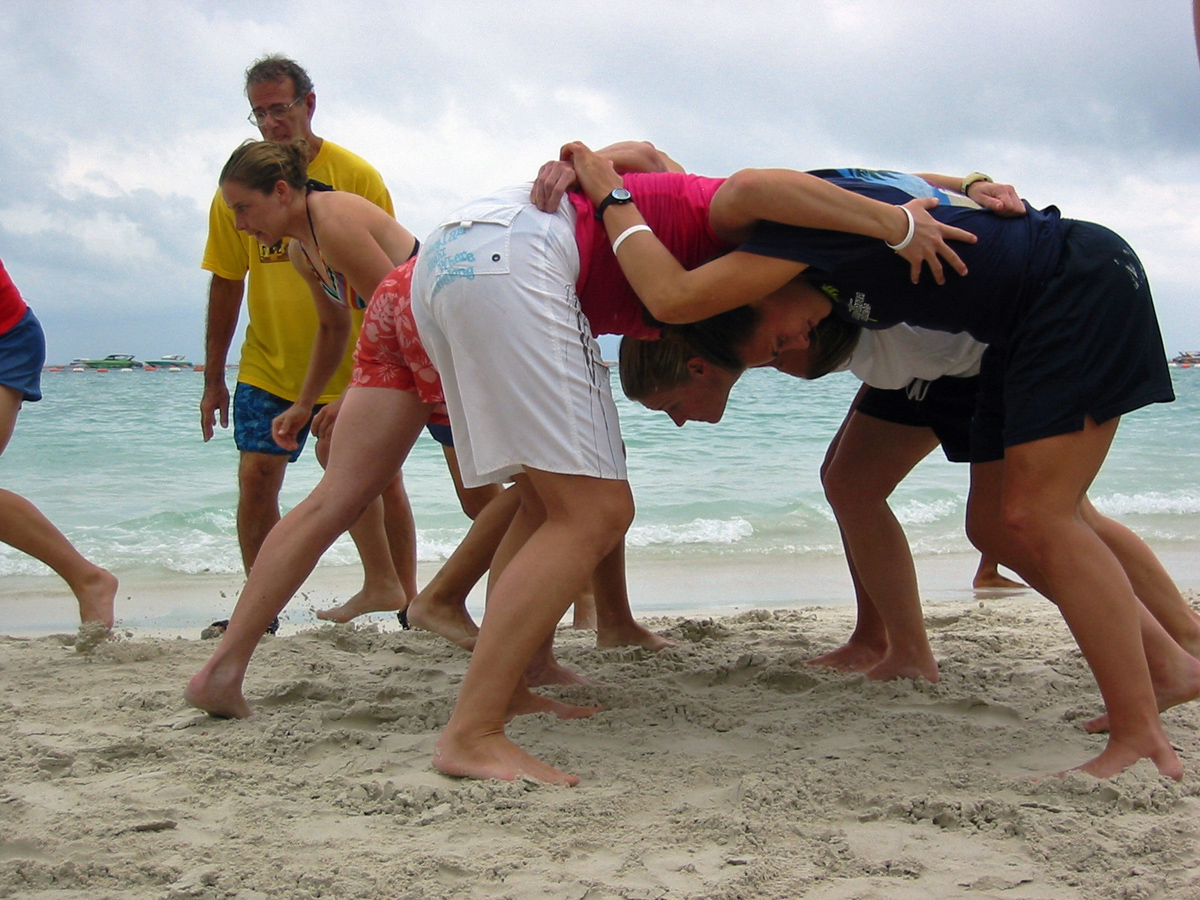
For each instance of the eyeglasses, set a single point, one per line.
(276, 112)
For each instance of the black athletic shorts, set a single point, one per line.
(1087, 345)
(944, 405)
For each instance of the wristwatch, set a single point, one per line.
(616, 195)
(971, 179)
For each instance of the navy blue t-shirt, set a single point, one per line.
(870, 284)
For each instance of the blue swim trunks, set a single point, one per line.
(22, 355)
(441, 434)
(253, 412)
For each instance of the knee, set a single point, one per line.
(606, 518)
(260, 477)
(1025, 528)
(848, 494)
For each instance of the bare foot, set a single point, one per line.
(361, 604)
(527, 703)
(1175, 681)
(90, 636)
(494, 756)
(894, 666)
(1117, 757)
(96, 595)
(451, 621)
(217, 695)
(996, 580)
(850, 657)
(550, 671)
(632, 635)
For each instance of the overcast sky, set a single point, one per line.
(117, 117)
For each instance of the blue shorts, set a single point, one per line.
(22, 355)
(253, 412)
(441, 433)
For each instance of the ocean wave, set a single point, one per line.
(925, 512)
(698, 531)
(1151, 503)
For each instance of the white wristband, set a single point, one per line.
(632, 229)
(912, 229)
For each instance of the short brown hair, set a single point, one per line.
(276, 67)
(651, 367)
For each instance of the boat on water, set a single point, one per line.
(1187, 359)
(169, 361)
(112, 361)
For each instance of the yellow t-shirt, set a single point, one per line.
(283, 321)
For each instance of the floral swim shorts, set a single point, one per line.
(389, 353)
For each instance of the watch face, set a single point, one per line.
(621, 195)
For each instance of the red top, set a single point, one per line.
(12, 307)
(675, 206)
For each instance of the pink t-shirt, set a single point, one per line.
(675, 206)
(12, 307)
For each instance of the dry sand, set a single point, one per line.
(722, 768)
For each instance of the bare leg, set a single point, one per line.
(868, 642)
(260, 476)
(542, 668)
(1173, 671)
(583, 616)
(23, 526)
(472, 500)
(379, 426)
(584, 519)
(401, 528)
(872, 457)
(1153, 586)
(615, 624)
(441, 607)
(1044, 485)
(383, 590)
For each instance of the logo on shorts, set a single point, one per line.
(1132, 266)
(446, 267)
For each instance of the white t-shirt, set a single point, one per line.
(892, 357)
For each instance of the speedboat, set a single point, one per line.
(113, 361)
(168, 361)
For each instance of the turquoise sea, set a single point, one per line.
(116, 461)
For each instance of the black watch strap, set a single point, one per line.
(616, 195)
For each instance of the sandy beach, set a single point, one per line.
(721, 768)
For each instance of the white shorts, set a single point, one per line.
(495, 306)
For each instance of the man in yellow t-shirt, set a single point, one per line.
(280, 332)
